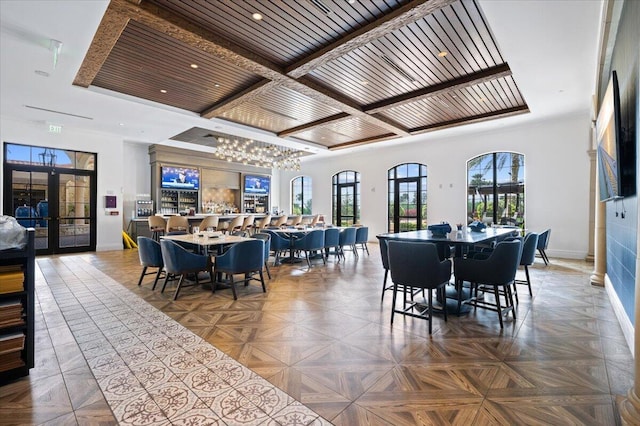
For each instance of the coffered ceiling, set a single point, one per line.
(335, 73)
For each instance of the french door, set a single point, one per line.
(346, 208)
(59, 203)
(408, 204)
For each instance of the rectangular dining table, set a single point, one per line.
(207, 240)
(460, 240)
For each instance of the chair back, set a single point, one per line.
(315, 220)
(331, 237)
(279, 222)
(362, 234)
(384, 252)
(543, 239)
(294, 221)
(247, 223)
(267, 242)
(348, 236)
(149, 252)
(246, 256)
(209, 222)
(157, 223)
(529, 246)
(499, 268)
(177, 223)
(264, 222)
(277, 242)
(313, 240)
(417, 264)
(235, 224)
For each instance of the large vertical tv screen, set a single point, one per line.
(256, 184)
(609, 140)
(180, 178)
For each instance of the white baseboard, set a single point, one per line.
(109, 247)
(621, 314)
(567, 254)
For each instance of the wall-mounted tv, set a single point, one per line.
(609, 139)
(256, 184)
(180, 178)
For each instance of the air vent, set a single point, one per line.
(321, 6)
(58, 112)
(399, 70)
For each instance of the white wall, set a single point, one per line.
(110, 167)
(556, 178)
(137, 175)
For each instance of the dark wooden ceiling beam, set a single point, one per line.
(111, 27)
(405, 15)
(247, 95)
(478, 77)
(168, 23)
(508, 112)
(312, 125)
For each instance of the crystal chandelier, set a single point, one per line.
(260, 154)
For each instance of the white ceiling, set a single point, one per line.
(551, 47)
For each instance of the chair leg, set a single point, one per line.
(175, 295)
(393, 302)
(233, 287)
(264, 288)
(526, 272)
(497, 296)
(155, 282)
(443, 289)
(366, 248)
(166, 280)
(384, 284)
(144, 270)
(430, 309)
(266, 266)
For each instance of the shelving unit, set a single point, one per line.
(253, 203)
(173, 201)
(17, 310)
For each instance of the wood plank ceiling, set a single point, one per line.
(337, 73)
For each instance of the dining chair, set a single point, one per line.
(527, 257)
(150, 255)
(248, 224)
(384, 255)
(157, 226)
(294, 220)
(279, 222)
(348, 239)
(177, 223)
(267, 249)
(209, 222)
(543, 243)
(245, 258)
(262, 223)
(413, 266)
(495, 273)
(278, 243)
(332, 242)
(362, 235)
(235, 224)
(179, 262)
(311, 242)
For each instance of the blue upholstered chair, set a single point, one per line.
(267, 249)
(150, 255)
(178, 262)
(311, 242)
(543, 243)
(332, 242)
(362, 236)
(245, 258)
(278, 245)
(494, 274)
(348, 239)
(414, 266)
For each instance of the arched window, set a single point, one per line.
(301, 195)
(346, 198)
(495, 184)
(407, 197)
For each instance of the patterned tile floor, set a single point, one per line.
(109, 351)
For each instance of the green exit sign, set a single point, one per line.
(55, 128)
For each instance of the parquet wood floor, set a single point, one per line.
(322, 335)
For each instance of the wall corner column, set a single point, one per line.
(599, 233)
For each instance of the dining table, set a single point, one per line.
(461, 240)
(205, 241)
(292, 234)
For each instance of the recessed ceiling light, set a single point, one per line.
(122, 124)
(351, 1)
(482, 99)
(257, 16)
(194, 66)
(365, 82)
(163, 91)
(42, 73)
(216, 85)
(442, 53)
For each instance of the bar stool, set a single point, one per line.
(157, 226)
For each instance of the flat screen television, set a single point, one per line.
(256, 184)
(180, 178)
(609, 137)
